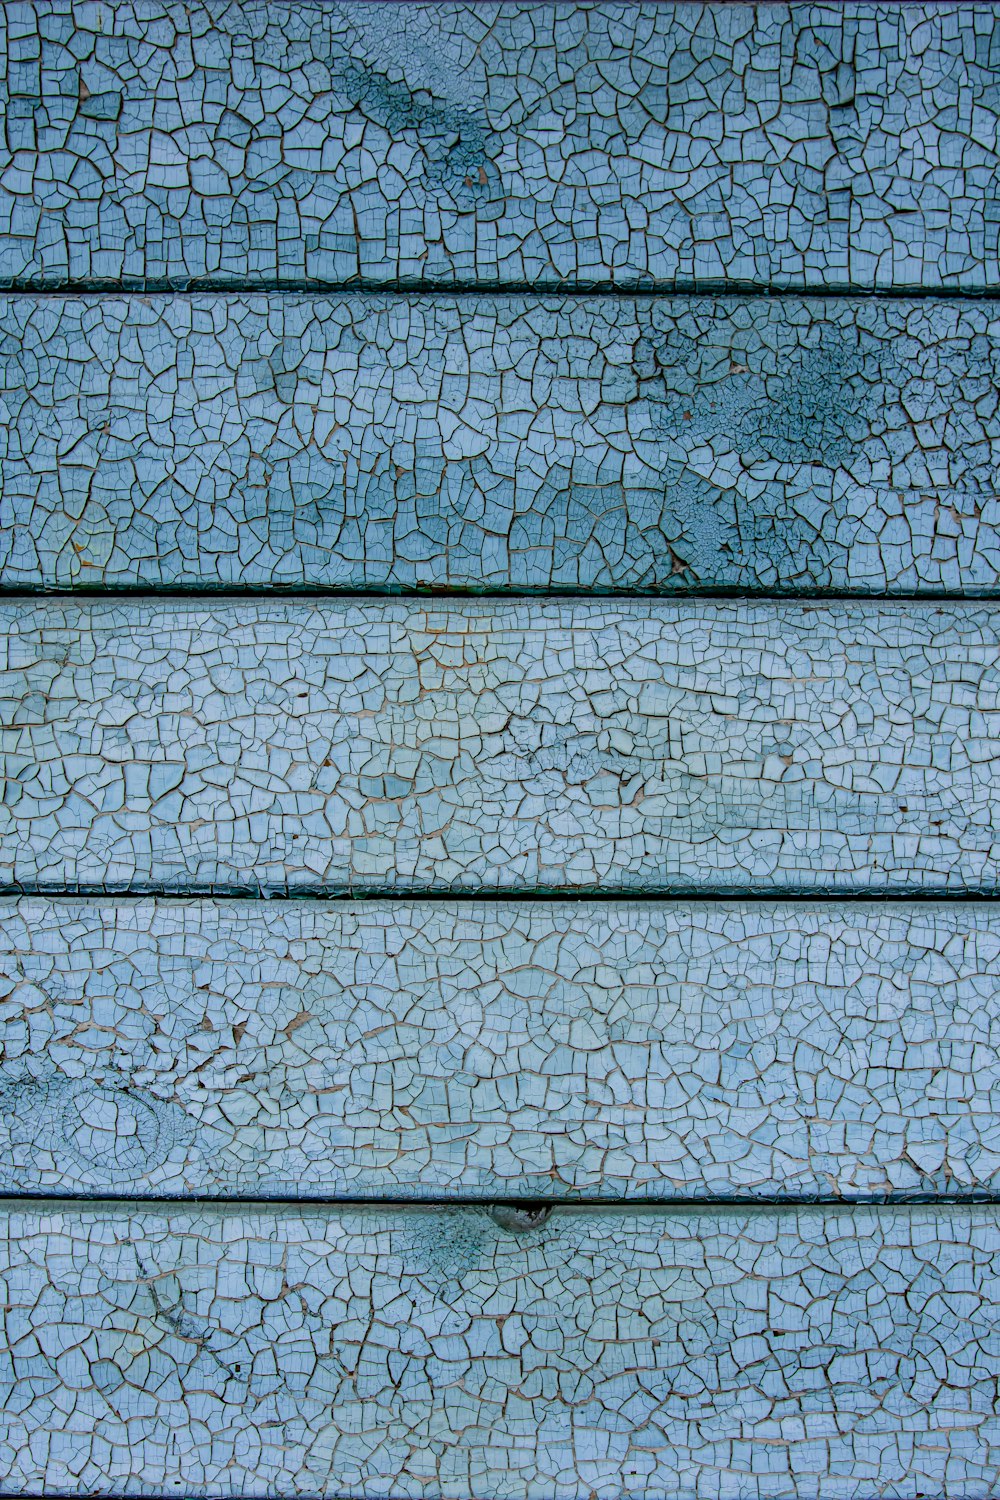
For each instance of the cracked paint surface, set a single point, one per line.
(499, 442)
(520, 1054)
(527, 1049)
(487, 745)
(757, 1354)
(783, 146)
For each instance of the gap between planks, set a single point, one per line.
(317, 1204)
(667, 895)
(304, 286)
(319, 593)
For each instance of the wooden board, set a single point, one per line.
(508, 746)
(246, 1351)
(779, 146)
(500, 442)
(395, 1050)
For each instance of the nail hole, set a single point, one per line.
(519, 1216)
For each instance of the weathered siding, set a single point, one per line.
(816, 1353)
(485, 745)
(780, 146)
(569, 300)
(400, 1049)
(500, 442)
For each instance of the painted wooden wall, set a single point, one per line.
(500, 750)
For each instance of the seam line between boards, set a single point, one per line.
(10, 1200)
(304, 287)
(297, 593)
(339, 896)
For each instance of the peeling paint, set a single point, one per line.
(252, 1351)
(782, 146)
(616, 746)
(500, 442)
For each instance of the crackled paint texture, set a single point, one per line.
(785, 146)
(763, 1355)
(499, 442)
(540, 1050)
(313, 328)
(490, 745)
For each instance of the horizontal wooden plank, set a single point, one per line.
(486, 745)
(803, 145)
(537, 1049)
(500, 442)
(813, 1353)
